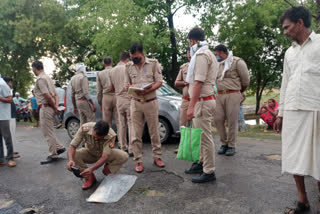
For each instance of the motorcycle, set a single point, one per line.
(23, 112)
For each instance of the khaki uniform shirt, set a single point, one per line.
(44, 84)
(182, 76)
(150, 72)
(103, 83)
(117, 80)
(235, 78)
(206, 69)
(95, 147)
(300, 89)
(79, 85)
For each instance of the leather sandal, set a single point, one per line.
(299, 209)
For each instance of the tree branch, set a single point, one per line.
(178, 9)
(288, 2)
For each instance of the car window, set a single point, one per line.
(92, 85)
(166, 90)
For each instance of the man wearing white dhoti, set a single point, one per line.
(299, 109)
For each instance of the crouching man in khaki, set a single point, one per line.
(97, 137)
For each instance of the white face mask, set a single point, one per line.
(193, 49)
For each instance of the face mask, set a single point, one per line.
(193, 49)
(218, 58)
(136, 60)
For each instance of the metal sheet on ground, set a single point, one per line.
(112, 188)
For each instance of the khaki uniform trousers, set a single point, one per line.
(46, 124)
(123, 107)
(183, 112)
(115, 160)
(228, 106)
(109, 108)
(85, 111)
(203, 116)
(139, 113)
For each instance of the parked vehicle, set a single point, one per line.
(169, 110)
(23, 112)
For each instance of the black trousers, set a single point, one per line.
(6, 134)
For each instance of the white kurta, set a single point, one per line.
(300, 108)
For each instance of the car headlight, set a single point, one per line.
(176, 104)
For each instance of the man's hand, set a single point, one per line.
(55, 108)
(144, 92)
(278, 125)
(190, 113)
(70, 164)
(127, 87)
(75, 111)
(87, 173)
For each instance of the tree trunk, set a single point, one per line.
(173, 41)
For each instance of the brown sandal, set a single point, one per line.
(299, 209)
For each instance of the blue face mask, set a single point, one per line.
(218, 58)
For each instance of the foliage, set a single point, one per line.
(28, 30)
(252, 31)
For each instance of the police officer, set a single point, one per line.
(144, 104)
(48, 102)
(201, 76)
(233, 79)
(106, 98)
(181, 82)
(80, 95)
(97, 137)
(123, 102)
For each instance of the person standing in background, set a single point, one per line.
(80, 95)
(5, 115)
(181, 82)
(34, 106)
(241, 120)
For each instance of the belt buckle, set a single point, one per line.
(142, 100)
(224, 92)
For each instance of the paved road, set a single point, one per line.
(246, 183)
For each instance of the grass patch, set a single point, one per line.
(251, 99)
(33, 123)
(258, 132)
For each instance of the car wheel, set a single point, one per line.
(73, 127)
(164, 130)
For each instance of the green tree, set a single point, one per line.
(29, 29)
(253, 32)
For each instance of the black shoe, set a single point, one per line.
(49, 160)
(222, 149)
(60, 151)
(230, 151)
(204, 178)
(131, 154)
(194, 169)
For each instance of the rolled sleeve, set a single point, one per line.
(201, 68)
(158, 73)
(127, 79)
(76, 141)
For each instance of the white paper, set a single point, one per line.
(112, 188)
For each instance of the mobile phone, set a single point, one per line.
(76, 172)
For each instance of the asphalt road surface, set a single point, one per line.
(249, 182)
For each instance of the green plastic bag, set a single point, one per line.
(189, 147)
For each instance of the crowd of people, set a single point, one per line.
(119, 98)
